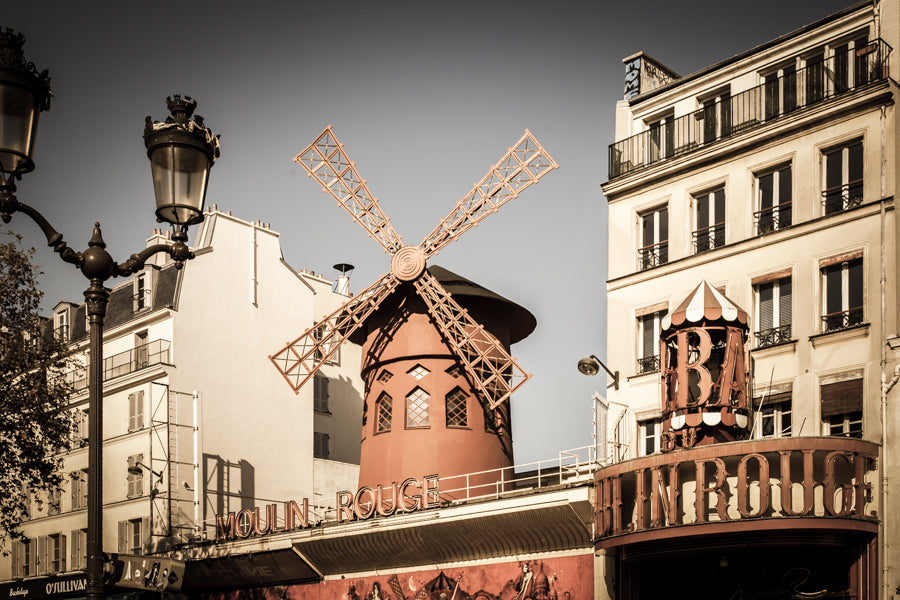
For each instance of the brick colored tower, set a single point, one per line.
(421, 414)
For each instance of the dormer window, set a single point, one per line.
(61, 324)
(141, 291)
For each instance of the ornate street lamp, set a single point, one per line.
(181, 151)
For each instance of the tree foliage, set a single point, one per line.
(35, 424)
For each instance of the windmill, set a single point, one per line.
(492, 372)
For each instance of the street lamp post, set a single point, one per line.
(181, 152)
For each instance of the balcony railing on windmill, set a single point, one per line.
(773, 336)
(653, 255)
(709, 238)
(773, 218)
(842, 197)
(648, 364)
(842, 320)
(123, 363)
(838, 74)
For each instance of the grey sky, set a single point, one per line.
(424, 96)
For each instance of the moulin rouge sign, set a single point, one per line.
(367, 502)
(765, 479)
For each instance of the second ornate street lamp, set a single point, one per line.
(181, 151)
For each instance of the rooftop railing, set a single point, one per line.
(796, 89)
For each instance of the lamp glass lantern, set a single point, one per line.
(181, 152)
(24, 93)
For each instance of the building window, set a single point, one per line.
(22, 558)
(648, 341)
(654, 247)
(56, 553)
(649, 435)
(842, 298)
(780, 90)
(132, 534)
(79, 549)
(79, 489)
(710, 213)
(320, 445)
(141, 292)
(418, 372)
(774, 414)
(417, 408)
(842, 172)
(61, 325)
(662, 139)
(383, 413)
(135, 477)
(773, 195)
(715, 117)
(385, 376)
(136, 410)
(54, 501)
(454, 371)
(842, 407)
(773, 318)
(814, 74)
(80, 429)
(456, 402)
(320, 393)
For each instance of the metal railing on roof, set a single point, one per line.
(796, 89)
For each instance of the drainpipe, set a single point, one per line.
(196, 410)
(885, 386)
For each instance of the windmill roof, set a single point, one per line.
(704, 303)
(521, 321)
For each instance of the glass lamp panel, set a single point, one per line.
(18, 122)
(180, 175)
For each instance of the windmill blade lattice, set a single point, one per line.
(495, 373)
(326, 160)
(523, 165)
(491, 369)
(300, 359)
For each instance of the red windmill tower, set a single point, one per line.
(437, 367)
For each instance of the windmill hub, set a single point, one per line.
(408, 263)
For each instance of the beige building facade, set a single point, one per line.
(192, 403)
(771, 176)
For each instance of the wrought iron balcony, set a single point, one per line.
(709, 238)
(773, 336)
(648, 364)
(653, 255)
(773, 218)
(836, 75)
(141, 357)
(842, 320)
(842, 197)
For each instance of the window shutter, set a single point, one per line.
(784, 302)
(326, 446)
(62, 553)
(145, 534)
(842, 397)
(123, 537)
(76, 542)
(42, 562)
(131, 412)
(766, 306)
(17, 552)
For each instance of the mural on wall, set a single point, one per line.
(561, 578)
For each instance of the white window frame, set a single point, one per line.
(320, 393)
(778, 320)
(660, 257)
(649, 432)
(847, 201)
(776, 411)
(778, 204)
(708, 197)
(654, 320)
(845, 424)
(845, 293)
(61, 325)
(717, 101)
(141, 291)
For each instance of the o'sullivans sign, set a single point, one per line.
(366, 502)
